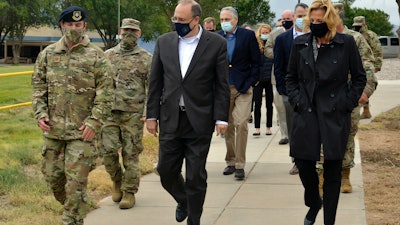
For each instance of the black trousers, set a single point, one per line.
(174, 148)
(332, 181)
(257, 98)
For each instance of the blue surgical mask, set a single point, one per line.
(264, 37)
(226, 26)
(299, 23)
(182, 28)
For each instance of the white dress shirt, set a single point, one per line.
(296, 33)
(186, 49)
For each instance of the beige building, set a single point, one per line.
(35, 40)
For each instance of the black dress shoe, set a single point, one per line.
(284, 141)
(229, 170)
(181, 212)
(239, 174)
(308, 222)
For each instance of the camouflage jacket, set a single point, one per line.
(368, 60)
(373, 41)
(72, 87)
(132, 71)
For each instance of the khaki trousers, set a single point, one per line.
(280, 107)
(236, 134)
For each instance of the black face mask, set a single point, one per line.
(287, 24)
(319, 30)
(182, 28)
(357, 28)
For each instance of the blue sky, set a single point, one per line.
(388, 6)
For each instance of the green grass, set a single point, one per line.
(25, 197)
(16, 89)
(20, 138)
(23, 193)
(12, 68)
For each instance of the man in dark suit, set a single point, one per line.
(282, 48)
(244, 62)
(189, 96)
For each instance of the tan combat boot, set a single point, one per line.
(128, 201)
(346, 186)
(366, 113)
(116, 192)
(321, 182)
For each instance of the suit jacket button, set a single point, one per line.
(230, 66)
(309, 109)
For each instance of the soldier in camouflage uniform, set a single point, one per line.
(368, 60)
(125, 127)
(71, 90)
(373, 41)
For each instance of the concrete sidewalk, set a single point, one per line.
(268, 195)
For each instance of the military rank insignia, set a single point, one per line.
(76, 15)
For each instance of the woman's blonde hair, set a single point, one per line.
(258, 35)
(331, 17)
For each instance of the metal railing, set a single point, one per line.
(13, 75)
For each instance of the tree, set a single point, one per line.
(102, 15)
(212, 8)
(248, 14)
(155, 17)
(377, 20)
(155, 14)
(5, 24)
(23, 14)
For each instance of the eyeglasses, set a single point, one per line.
(180, 20)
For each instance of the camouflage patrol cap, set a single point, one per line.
(339, 8)
(72, 14)
(358, 21)
(130, 23)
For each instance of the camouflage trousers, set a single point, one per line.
(348, 160)
(66, 166)
(126, 131)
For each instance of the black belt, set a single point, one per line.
(182, 108)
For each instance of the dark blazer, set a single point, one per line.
(322, 96)
(245, 65)
(283, 45)
(205, 87)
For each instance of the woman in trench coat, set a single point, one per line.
(324, 82)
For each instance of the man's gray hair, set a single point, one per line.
(232, 10)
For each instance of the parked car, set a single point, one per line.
(390, 46)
